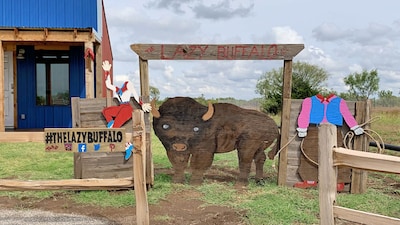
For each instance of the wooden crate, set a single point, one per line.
(87, 113)
(102, 165)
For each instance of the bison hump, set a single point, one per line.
(182, 107)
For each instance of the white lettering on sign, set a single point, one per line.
(84, 139)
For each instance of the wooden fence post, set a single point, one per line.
(361, 143)
(327, 182)
(145, 93)
(139, 153)
(285, 121)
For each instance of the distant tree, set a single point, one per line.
(348, 96)
(154, 93)
(302, 89)
(386, 98)
(362, 85)
(201, 99)
(385, 94)
(307, 80)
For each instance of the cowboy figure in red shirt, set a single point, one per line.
(118, 115)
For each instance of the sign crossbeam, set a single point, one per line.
(217, 51)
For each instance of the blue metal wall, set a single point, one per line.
(47, 116)
(51, 14)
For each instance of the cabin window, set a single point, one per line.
(52, 78)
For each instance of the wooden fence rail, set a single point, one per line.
(329, 158)
(68, 184)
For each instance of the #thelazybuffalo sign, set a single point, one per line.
(84, 139)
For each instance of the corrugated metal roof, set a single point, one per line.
(50, 13)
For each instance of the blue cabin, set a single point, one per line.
(50, 51)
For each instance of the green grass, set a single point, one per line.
(30, 161)
(105, 198)
(372, 200)
(270, 204)
(160, 158)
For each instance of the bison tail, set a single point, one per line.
(274, 151)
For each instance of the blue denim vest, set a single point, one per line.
(333, 114)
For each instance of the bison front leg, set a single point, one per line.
(179, 161)
(199, 163)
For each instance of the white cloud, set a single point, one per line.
(169, 71)
(329, 32)
(214, 10)
(286, 35)
(222, 10)
(335, 38)
(355, 68)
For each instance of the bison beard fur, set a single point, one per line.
(192, 132)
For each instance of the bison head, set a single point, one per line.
(180, 121)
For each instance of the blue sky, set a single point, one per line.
(340, 36)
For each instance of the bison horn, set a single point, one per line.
(154, 111)
(209, 113)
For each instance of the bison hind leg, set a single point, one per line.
(259, 160)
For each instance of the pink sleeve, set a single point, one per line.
(347, 116)
(304, 117)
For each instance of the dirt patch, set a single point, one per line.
(179, 208)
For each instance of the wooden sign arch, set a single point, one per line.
(284, 52)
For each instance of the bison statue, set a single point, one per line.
(193, 132)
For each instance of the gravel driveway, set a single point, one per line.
(36, 217)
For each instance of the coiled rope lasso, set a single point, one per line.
(347, 141)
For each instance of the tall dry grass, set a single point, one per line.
(387, 123)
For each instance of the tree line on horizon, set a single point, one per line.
(307, 80)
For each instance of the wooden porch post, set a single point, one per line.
(2, 118)
(99, 71)
(89, 71)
